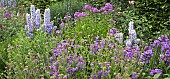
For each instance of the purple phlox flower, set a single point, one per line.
(100, 74)
(87, 7)
(134, 76)
(51, 73)
(76, 15)
(67, 17)
(103, 9)
(108, 6)
(129, 54)
(7, 15)
(104, 12)
(148, 53)
(112, 31)
(112, 21)
(105, 74)
(58, 32)
(63, 24)
(155, 71)
(167, 54)
(165, 46)
(94, 10)
(75, 69)
(163, 38)
(69, 70)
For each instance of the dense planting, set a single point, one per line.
(88, 44)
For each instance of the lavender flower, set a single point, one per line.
(155, 71)
(62, 24)
(94, 10)
(38, 18)
(87, 7)
(29, 23)
(128, 43)
(33, 14)
(47, 16)
(67, 17)
(108, 6)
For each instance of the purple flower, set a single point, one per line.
(62, 24)
(94, 10)
(104, 12)
(7, 15)
(103, 9)
(58, 32)
(51, 73)
(30, 34)
(108, 6)
(112, 21)
(134, 76)
(100, 74)
(67, 17)
(75, 69)
(87, 7)
(155, 71)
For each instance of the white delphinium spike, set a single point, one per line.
(131, 26)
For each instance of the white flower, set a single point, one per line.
(119, 37)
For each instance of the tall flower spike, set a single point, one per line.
(33, 14)
(132, 35)
(29, 23)
(38, 18)
(47, 16)
(131, 26)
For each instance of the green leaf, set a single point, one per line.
(156, 76)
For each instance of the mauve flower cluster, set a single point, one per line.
(155, 71)
(104, 10)
(71, 62)
(112, 31)
(79, 14)
(164, 43)
(103, 71)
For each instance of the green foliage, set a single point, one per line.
(60, 9)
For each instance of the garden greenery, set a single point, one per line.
(91, 42)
